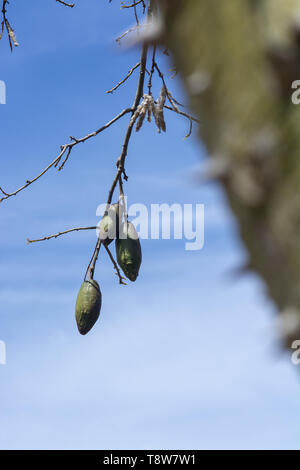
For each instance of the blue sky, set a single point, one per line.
(186, 357)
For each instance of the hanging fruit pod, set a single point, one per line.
(88, 306)
(128, 250)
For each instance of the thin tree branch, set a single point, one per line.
(71, 5)
(65, 149)
(124, 79)
(136, 15)
(190, 129)
(152, 70)
(188, 116)
(130, 30)
(56, 235)
(172, 100)
(118, 273)
(134, 4)
(5, 24)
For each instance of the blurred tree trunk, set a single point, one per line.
(238, 59)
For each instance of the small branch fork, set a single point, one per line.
(5, 24)
(65, 151)
(188, 116)
(137, 21)
(118, 273)
(134, 4)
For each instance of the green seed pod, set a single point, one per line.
(128, 250)
(88, 306)
(109, 225)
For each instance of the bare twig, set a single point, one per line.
(5, 24)
(65, 150)
(134, 4)
(71, 5)
(152, 70)
(118, 273)
(188, 116)
(56, 235)
(124, 79)
(171, 99)
(190, 129)
(130, 30)
(136, 15)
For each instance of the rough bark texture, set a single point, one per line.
(238, 59)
